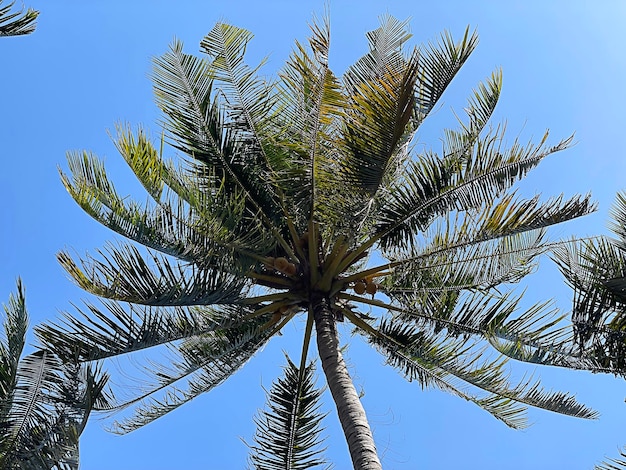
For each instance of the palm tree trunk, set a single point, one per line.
(349, 408)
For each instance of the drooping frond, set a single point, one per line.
(433, 361)
(447, 264)
(288, 432)
(16, 23)
(203, 362)
(198, 223)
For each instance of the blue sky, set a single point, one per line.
(87, 67)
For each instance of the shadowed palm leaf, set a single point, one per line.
(44, 404)
(306, 196)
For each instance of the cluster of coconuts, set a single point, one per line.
(282, 265)
(278, 314)
(366, 285)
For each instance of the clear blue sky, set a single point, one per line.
(86, 68)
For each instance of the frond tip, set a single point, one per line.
(17, 23)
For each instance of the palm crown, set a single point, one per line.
(304, 196)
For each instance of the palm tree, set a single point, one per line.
(596, 271)
(304, 196)
(288, 434)
(16, 23)
(44, 404)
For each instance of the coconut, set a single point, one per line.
(359, 287)
(291, 269)
(281, 264)
(371, 288)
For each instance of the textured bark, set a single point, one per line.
(349, 408)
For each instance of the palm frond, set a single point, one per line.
(309, 99)
(420, 353)
(205, 362)
(439, 65)
(13, 340)
(613, 464)
(16, 23)
(190, 228)
(98, 334)
(433, 187)
(200, 127)
(381, 98)
(288, 432)
(250, 98)
(125, 275)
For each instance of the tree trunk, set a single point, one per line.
(349, 408)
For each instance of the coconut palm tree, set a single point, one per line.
(288, 433)
(44, 404)
(304, 196)
(16, 23)
(596, 271)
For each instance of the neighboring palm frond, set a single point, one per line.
(613, 464)
(45, 403)
(16, 23)
(288, 432)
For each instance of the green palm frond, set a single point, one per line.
(381, 92)
(16, 23)
(430, 359)
(440, 64)
(200, 126)
(13, 340)
(204, 363)
(310, 99)
(45, 403)
(613, 464)
(433, 187)
(288, 432)
(125, 275)
(251, 99)
(475, 265)
(481, 105)
(116, 330)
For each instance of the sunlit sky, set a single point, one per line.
(87, 67)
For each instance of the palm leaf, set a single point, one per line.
(206, 362)
(613, 464)
(420, 354)
(115, 331)
(287, 435)
(125, 275)
(17, 23)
